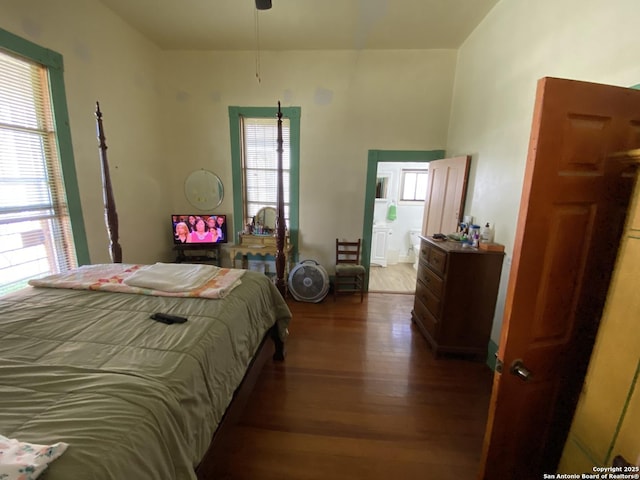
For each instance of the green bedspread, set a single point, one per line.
(134, 398)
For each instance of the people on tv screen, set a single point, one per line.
(199, 228)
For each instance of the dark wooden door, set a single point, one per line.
(572, 210)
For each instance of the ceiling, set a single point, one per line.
(303, 24)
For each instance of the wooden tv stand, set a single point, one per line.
(194, 253)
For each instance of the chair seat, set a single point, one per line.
(349, 269)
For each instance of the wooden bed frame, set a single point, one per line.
(210, 462)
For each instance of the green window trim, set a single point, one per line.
(53, 61)
(293, 114)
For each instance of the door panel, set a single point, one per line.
(446, 190)
(572, 211)
(562, 266)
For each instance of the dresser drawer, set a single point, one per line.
(428, 299)
(425, 250)
(425, 318)
(437, 260)
(432, 281)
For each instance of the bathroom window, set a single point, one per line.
(414, 185)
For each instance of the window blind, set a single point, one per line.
(260, 164)
(35, 229)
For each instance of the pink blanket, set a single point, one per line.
(111, 278)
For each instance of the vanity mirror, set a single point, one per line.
(382, 185)
(266, 218)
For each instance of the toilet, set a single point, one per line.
(414, 244)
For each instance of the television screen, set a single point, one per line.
(192, 229)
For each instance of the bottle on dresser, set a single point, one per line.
(486, 234)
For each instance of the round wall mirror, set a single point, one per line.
(203, 189)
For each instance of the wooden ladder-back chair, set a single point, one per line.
(349, 272)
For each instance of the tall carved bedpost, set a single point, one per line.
(280, 223)
(110, 214)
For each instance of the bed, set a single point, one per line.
(132, 397)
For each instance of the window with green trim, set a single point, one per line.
(254, 162)
(36, 237)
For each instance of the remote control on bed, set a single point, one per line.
(168, 319)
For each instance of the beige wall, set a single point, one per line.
(106, 60)
(351, 101)
(498, 66)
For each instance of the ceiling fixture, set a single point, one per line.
(260, 5)
(258, 77)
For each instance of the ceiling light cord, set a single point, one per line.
(258, 77)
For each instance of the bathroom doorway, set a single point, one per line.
(390, 216)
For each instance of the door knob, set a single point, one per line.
(519, 370)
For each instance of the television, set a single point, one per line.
(195, 229)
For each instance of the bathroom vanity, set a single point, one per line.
(380, 244)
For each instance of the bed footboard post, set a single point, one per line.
(110, 214)
(280, 223)
(279, 353)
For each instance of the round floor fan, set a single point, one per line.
(308, 282)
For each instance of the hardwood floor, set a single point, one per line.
(359, 396)
(398, 278)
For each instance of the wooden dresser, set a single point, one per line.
(456, 292)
